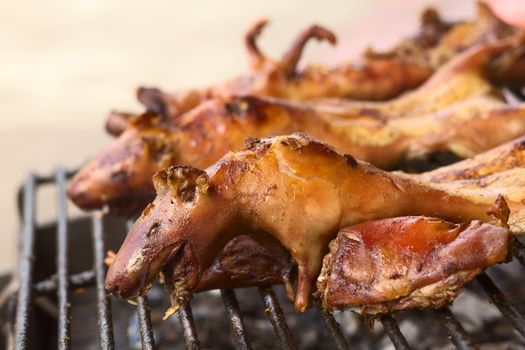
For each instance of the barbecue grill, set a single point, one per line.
(31, 324)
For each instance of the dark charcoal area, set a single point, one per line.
(481, 319)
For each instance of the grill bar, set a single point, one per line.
(393, 332)
(456, 333)
(191, 341)
(103, 301)
(275, 314)
(238, 330)
(497, 298)
(333, 328)
(25, 268)
(64, 317)
(146, 331)
(79, 280)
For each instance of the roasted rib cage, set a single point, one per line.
(378, 76)
(299, 191)
(457, 110)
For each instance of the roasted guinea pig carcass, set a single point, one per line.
(457, 110)
(244, 262)
(407, 262)
(387, 77)
(376, 266)
(296, 189)
(377, 76)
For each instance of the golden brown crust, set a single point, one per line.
(301, 192)
(504, 157)
(407, 262)
(411, 261)
(449, 112)
(378, 76)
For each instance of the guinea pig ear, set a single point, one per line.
(430, 16)
(154, 101)
(185, 182)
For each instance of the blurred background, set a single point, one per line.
(64, 64)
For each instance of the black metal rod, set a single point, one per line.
(25, 268)
(456, 333)
(237, 325)
(191, 340)
(395, 335)
(336, 334)
(275, 314)
(146, 330)
(105, 322)
(82, 279)
(48, 179)
(64, 317)
(497, 298)
(39, 180)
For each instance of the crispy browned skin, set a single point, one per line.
(504, 157)
(257, 264)
(381, 78)
(454, 38)
(457, 110)
(407, 262)
(377, 266)
(244, 262)
(377, 77)
(296, 189)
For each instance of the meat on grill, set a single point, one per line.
(407, 262)
(296, 189)
(449, 112)
(378, 76)
(244, 262)
(505, 157)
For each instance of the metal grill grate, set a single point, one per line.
(62, 284)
